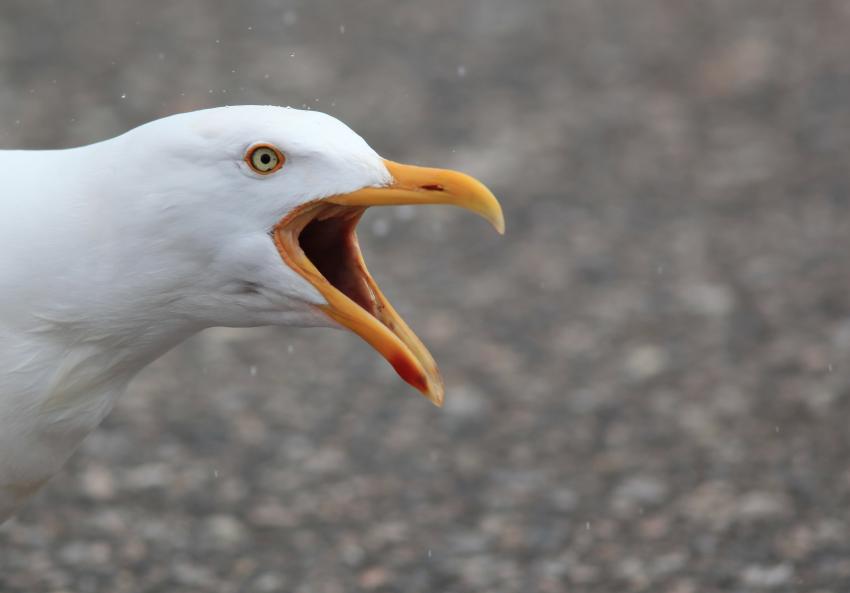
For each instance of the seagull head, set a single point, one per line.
(261, 205)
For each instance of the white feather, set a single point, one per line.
(110, 254)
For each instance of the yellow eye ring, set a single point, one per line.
(264, 159)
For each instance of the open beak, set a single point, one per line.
(318, 241)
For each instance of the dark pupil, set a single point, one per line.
(265, 158)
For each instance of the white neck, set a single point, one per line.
(79, 315)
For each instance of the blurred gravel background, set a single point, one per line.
(648, 379)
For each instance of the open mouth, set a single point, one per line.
(318, 241)
(329, 241)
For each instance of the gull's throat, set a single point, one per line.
(330, 243)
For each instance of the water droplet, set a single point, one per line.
(461, 71)
(123, 95)
(252, 370)
(342, 29)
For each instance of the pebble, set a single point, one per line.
(646, 361)
(223, 532)
(767, 576)
(638, 491)
(97, 483)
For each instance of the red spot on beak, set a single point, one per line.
(408, 371)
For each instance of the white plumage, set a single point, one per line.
(110, 254)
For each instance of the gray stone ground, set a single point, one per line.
(648, 376)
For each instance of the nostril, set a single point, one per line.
(433, 187)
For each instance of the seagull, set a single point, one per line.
(113, 253)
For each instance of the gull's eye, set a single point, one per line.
(264, 158)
